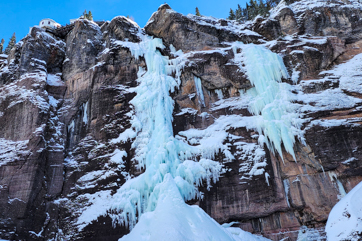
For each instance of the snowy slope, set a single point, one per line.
(350, 75)
(173, 219)
(345, 219)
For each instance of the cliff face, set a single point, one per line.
(67, 143)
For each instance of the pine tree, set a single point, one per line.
(239, 13)
(262, 8)
(231, 15)
(11, 44)
(85, 14)
(197, 11)
(2, 45)
(253, 9)
(272, 3)
(245, 13)
(90, 16)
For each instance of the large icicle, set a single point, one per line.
(199, 91)
(277, 118)
(157, 151)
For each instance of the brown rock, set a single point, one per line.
(191, 33)
(287, 21)
(269, 28)
(120, 28)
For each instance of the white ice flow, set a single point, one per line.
(173, 219)
(345, 220)
(277, 118)
(155, 200)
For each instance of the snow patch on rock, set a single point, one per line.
(12, 150)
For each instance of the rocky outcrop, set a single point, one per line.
(306, 56)
(121, 28)
(287, 21)
(193, 33)
(97, 112)
(333, 21)
(30, 174)
(84, 41)
(268, 28)
(320, 18)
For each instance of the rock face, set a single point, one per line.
(30, 174)
(193, 33)
(317, 18)
(66, 142)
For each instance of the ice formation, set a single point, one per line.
(199, 91)
(157, 151)
(85, 116)
(173, 219)
(277, 117)
(286, 190)
(156, 198)
(219, 94)
(172, 173)
(334, 178)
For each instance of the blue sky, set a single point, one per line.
(18, 15)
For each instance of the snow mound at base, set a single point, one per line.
(173, 219)
(345, 219)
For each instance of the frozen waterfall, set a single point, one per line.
(277, 118)
(155, 200)
(157, 151)
(172, 174)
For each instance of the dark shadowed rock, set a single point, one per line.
(84, 43)
(121, 28)
(269, 28)
(217, 70)
(41, 52)
(34, 174)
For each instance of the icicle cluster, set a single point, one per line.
(277, 118)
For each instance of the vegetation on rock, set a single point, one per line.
(88, 15)
(11, 44)
(253, 9)
(197, 12)
(1, 45)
